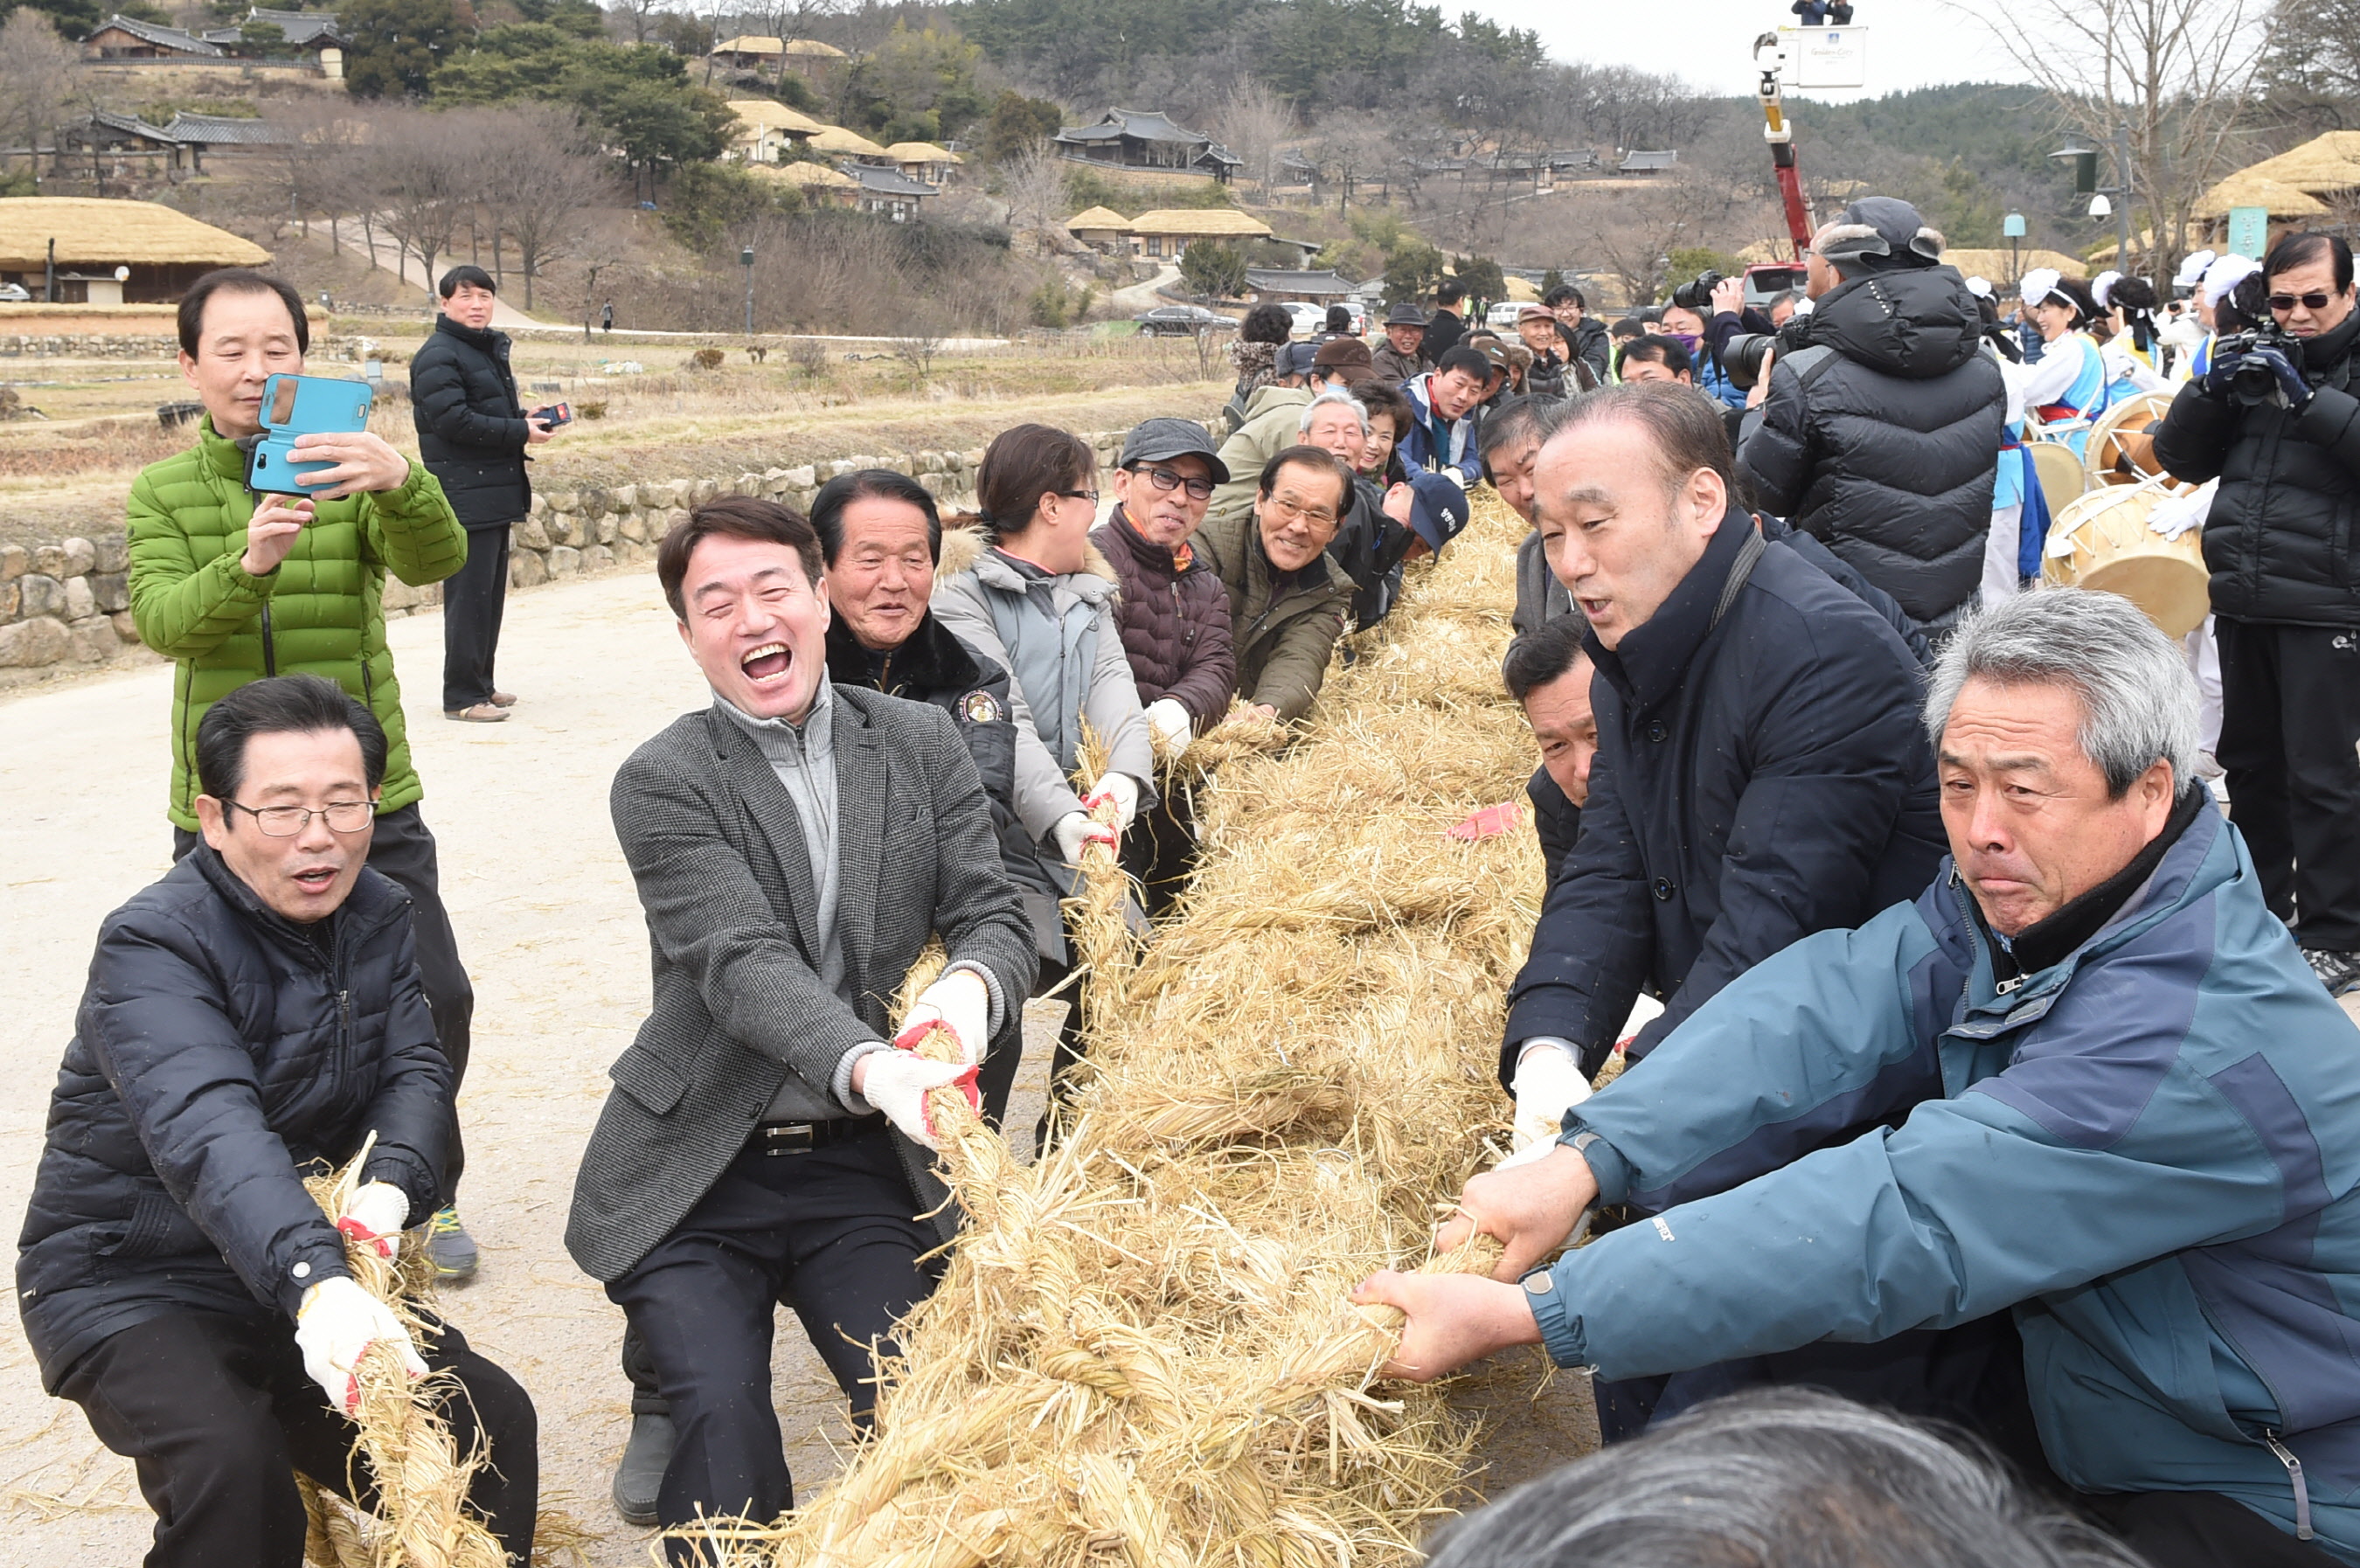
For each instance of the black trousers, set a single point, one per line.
(403, 850)
(1160, 851)
(219, 1418)
(2289, 716)
(831, 1233)
(473, 599)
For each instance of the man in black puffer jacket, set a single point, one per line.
(1881, 436)
(473, 433)
(254, 1018)
(2281, 542)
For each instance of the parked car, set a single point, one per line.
(15, 293)
(1309, 320)
(1764, 281)
(1502, 316)
(1181, 320)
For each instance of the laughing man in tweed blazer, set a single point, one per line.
(794, 846)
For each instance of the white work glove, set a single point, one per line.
(1073, 831)
(334, 1327)
(1172, 729)
(2176, 514)
(897, 1082)
(1125, 790)
(375, 1215)
(1548, 1083)
(960, 1001)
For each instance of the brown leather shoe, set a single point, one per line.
(478, 713)
(503, 699)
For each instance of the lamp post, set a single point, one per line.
(745, 260)
(2106, 200)
(2012, 227)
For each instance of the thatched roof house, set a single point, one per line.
(160, 252)
(1168, 232)
(1102, 228)
(2003, 269)
(838, 142)
(924, 160)
(2311, 181)
(767, 129)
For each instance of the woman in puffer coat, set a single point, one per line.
(1028, 590)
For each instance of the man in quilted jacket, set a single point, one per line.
(235, 587)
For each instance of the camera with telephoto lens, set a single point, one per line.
(2256, 385)
(1741, 357)
(1697, 293)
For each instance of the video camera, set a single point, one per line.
(2253, 385)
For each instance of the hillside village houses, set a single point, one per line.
(1133, 138)
(306, 36)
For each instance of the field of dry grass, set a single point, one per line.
(67, 472)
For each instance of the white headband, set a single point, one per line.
(1980, 287)
(2103, 287)
(2040, 284)
(2191, 269)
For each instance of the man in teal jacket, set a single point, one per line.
(2086, 1078)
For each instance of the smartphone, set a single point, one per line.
(553, 414)
(296, 406)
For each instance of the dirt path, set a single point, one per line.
(550, 930)
(553, 935)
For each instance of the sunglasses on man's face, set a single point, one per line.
(2283, 304)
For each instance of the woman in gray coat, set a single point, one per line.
(1030, 592)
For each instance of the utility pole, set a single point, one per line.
(2123, 197)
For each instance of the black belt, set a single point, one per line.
(802, 1138)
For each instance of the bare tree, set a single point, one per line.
(1032, 183)
(1253, 121)
(2177, 76)
(541, 187)
(424, 169)
(36, 67)
(310, 165)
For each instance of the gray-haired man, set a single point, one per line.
(2089, 1095)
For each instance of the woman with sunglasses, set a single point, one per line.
(2278, 422)
(1024, 587)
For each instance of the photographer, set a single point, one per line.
(2274, 419)
(1879, 435)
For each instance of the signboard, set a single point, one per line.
(2249, 231)
(1826, 57)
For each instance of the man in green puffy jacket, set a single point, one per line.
(234, 587)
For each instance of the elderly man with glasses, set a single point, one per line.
(2275, 418)
(1173, 615)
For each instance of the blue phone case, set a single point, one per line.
(301, 406)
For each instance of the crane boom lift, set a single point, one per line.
(1778, 131)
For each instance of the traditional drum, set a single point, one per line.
(2121, 450)
(2102, 541)
(2058, 468)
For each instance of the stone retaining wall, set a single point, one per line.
(68, 602)
(86, 345)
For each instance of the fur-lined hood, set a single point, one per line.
(965, 550)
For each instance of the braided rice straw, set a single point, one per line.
(420, 1520)
(1141, 1354)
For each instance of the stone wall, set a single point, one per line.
(85, 346)
(67, 603)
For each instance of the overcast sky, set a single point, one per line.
(1912, 43)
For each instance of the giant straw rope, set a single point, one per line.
(1140, 1353)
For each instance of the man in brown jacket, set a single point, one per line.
(1173, 615)
(1288, 597)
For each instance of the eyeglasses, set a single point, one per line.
(286, 822)
(1287, 510)
(1165, 480)
(2283, 304)
(1089, 496)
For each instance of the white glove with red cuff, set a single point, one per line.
(1548, 1083)
(375, 1215)
(334, 1327)
(897, 1082)
(1124, 792)
(1073, 830)
(960, 1001)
